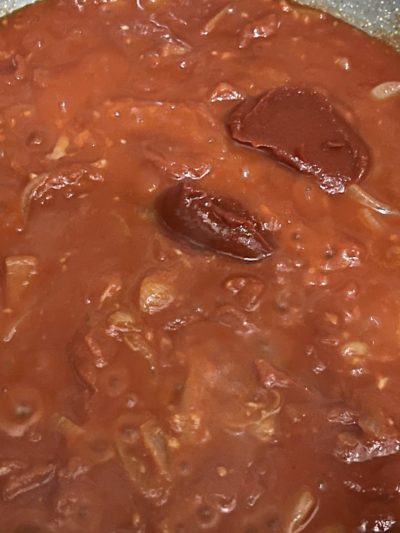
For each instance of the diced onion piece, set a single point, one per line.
(60, 149)
(30, 191)
(257, 418)
(151, 487)
(270, 376)
(372, 221)
(343, 62)
(265, 429)
(11, 323)
(34, 478)
(20, 269)
(355, 349)
(386, 90)
(156, 293)
(303, 512)
(224, 92)
(362, 197)
(216, 19)
(122, 321)
(174, 47)
(137, 343)
(113, 287)
(135, 469)
(376, 425)
(69, 429)
(155, 442)
(9, 466)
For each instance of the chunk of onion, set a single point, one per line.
(303, 512)
(20, 271)
(156, 293)
(359, 195)
(155, 442)
(355, 349)
(122, 321)
(149, 485)
(386, 90)
(30, 191)
(60, 148)
(12, 323)
(67, 428)
(216, 19)
(372, 221)
(258, 418)
(264, 430)
(138, 344)
(135, 469)
(11, 466)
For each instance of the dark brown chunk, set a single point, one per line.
(218, 224)
(302, 129)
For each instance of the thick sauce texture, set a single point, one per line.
(200, 270)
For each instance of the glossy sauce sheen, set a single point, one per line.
(195, 334)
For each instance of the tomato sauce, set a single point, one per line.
(200, 248)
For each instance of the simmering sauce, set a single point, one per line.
(200, 259)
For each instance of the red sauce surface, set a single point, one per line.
(155, 375)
